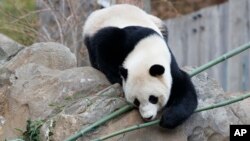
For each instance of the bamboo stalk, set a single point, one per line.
(220, 59)
(139, 126)
(193, 73)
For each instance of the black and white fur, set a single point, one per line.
(130, 47)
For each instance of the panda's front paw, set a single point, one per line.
(171, 117)
(167, 122)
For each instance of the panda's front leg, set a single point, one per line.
(182, 102)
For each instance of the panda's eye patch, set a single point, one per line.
(153, 99)
(137, 102)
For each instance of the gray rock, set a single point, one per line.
(4, 77)
(82, 113)
(38, 92)
(50, 54)
(2, 121)
(3, 99)
(8, 48)
(241, 109)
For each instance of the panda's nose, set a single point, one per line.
(148, 119)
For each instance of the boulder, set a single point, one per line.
(241, 109)
(8, 48)
(37, 82)
(38, 92)
(49, 54)
(82, 113)
(3, 108)
(3, 99)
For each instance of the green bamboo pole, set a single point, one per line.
(129, 107)
(220, 59)
(139, 126)
(100, 122)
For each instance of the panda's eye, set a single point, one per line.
(153, 99)
(137, 102)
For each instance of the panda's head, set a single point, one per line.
(146, 76)
(148, 93)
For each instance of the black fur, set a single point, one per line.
(123, 72)
(156, 70)
(183, 98)
(182, 101)
(153, 99)
(109, 47)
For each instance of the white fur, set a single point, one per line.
(140, 84)
(121, 16)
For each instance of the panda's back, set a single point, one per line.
(121, 16)
(111, 34)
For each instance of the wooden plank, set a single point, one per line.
(213, 38)
(237, 36)
(216, 31)
(193, 41)
(248, 65)
(175, 40)
(223, 31)
(246, 57)
(184, 38)
(207, 35)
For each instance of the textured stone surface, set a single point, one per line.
(82, 113)
(3, 99)
(50, 54)
(8, 48)
(38, 92)
(241, 109)
(3, 108)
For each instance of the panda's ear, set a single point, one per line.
(123, 72)
(156, 70)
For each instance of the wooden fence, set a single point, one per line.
(204, 35)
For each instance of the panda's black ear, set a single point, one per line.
(123, 72)
(156, 70)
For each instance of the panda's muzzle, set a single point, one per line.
(148, 119)
(148, 111)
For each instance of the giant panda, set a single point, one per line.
(130, 47)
